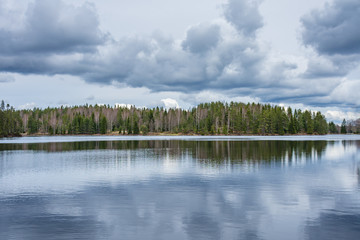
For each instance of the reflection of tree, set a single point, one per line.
(245, 151)
(214, 152)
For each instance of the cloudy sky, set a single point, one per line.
(300, 53)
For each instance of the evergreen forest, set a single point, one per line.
(215, 118)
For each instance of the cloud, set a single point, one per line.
(201, 38)
(166, 65)
(63, 103)
(5, 78)
(334, 29)
(322, 66)
(219, 55)
(223, 57)
(338, 115)
(334, 34)
(53, 27)
(90, 98)
(27, 106)
(212, 56)
(170, 103)
(346, 92)
(244, 15)
(213, 96)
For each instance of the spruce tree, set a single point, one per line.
(343, 127)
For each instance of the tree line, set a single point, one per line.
(11, 123)
(215, 118)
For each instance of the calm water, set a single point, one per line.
(180, 188)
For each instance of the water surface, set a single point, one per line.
(180, 187)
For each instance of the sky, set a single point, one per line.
(302, 53)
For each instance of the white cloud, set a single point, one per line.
(347, 92)
(213, 96)
(338, 116)
(27, 106)
(170, 103)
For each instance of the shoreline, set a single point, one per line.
(168, 135)
(99, 138)
(173, 135)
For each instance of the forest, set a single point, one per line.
(215, 118)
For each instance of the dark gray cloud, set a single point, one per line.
(63, 39)
(244, 15)
(27, 64)
(148, 62)
(334, 29)
(154, 63)
(317, 70)
(53, 27)
(202, 38)
(334, 33)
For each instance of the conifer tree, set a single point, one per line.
(343, 127)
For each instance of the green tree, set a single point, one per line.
(32, 125)
(144, 129)
(343, 127)
(103, 125)
(332, 128)
(2, 107)
(320, 124)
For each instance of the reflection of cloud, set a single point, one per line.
(201, 226)
(334, 225)
(338, 151)
(30, 220)
(115, 192)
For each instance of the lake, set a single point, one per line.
(108, 187)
